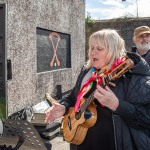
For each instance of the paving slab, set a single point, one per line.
(59, 144)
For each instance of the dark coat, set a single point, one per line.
(131, 120)
(146, 56)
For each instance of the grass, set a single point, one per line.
(2, 107)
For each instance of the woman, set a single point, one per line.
(123, 108)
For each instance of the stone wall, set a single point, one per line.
(124, 26)
(28, 87)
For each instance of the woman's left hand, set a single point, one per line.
(106, 97)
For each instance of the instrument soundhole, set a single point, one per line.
(87, 114)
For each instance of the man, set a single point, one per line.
(142, 42)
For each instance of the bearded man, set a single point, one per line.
(141, 39)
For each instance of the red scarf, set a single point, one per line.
(96, 76)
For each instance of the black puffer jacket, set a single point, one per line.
(131, 120)
(146, 56)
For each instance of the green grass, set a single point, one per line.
(2, 107)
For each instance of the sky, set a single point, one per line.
(110, 9)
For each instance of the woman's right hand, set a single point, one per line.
(54, 112)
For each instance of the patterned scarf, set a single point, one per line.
(96, 76)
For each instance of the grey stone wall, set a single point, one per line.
(28, 87)
(124, 26)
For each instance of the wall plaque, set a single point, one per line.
(53, 50)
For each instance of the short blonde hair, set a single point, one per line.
(111, 41)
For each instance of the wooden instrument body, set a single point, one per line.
(75, 130)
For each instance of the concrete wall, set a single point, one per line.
(28, 87)
(124, 26)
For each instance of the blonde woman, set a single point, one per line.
(122, 107)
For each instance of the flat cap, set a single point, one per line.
(141, 30)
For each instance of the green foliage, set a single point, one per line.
(2, 108)
(89, 21)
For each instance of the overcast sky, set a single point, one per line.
(108, 9)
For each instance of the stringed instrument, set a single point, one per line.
(75, 125)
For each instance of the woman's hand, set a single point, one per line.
(106, 97)
(56, 111)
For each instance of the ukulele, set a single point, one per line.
(75, 125)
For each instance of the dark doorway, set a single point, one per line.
(3, 104)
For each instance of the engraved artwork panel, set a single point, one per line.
(53, 50)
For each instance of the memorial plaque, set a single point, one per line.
(53, 50)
